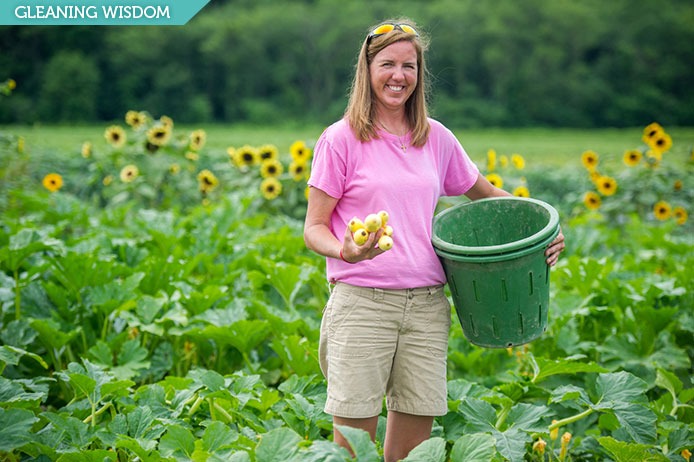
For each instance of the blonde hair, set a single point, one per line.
(360, 110)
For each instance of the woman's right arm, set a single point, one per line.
(317, 234)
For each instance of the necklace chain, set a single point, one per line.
(403, 146)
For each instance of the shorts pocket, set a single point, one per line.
(439, 326)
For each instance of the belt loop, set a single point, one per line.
(378, 294)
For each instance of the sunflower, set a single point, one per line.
(135, 119)
(606, 185)
(632, 157)
(654, 157)
(491, 160)
(521, 191)
(192, 156)
(87, 149)
(662, 210)
(245, 156)
(590, 160)
(680, 214)
(207, 181)
(268, 151)
(197, 140)
(495, 180)
(174, 169)
(53, 182)
(108, 179)
(651, 131)
(299, 151)
(592, 200)
(129, 173)
(159, 135)
(518, 161)
(271, 188)
(661, 143)
(298, 171)
(503, 161)
(167, 122)
(271, 168)
(115, 135)
(677, 185)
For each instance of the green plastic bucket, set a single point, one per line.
(493, 253)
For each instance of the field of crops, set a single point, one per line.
(158, 302)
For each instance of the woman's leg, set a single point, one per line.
(403, 433)
(369, 424)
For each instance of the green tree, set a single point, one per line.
(69, 88)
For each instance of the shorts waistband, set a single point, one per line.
(376, 293)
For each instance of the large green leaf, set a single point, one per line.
(624, 394)
(13, 391)
(360, 442)
(244, 335)
(11, 355)
(545, 368)
(480, 415)
(476, 447)
(53, 334)
(278, 444)
(527, 417)
(178, 442)
(25, 243)
(431, 450)
(15, 428)
(218, 436)
(297, 353)
(629, 452)
(619, 387)
(131, 360)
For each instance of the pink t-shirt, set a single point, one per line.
(377, 175)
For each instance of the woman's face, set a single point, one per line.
(394, 75)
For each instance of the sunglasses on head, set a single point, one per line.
(385, 28)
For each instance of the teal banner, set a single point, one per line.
(98, 12)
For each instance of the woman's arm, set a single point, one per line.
(317, 234)
(483, 188)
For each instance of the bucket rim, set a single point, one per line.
(551, 228)
(498, 257)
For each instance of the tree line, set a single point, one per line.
(496, 63)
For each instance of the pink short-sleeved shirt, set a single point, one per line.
(367, 177)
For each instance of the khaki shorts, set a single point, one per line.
(376, 342)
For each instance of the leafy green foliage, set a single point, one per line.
(140, 333)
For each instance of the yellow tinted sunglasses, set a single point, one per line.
(385, 28)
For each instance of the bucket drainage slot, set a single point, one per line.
(520, 323)
(495, 329)
(454, 289)
(530, 277)
(474, 289)
(539, 314)
(547, 275)
(472, 327)
(504, 290)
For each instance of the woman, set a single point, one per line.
(385, 327)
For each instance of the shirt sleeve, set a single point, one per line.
(459, 171)
(328, 168)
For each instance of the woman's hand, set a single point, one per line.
(554, 249)
(353, 253)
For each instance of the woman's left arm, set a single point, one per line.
(483, 188)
